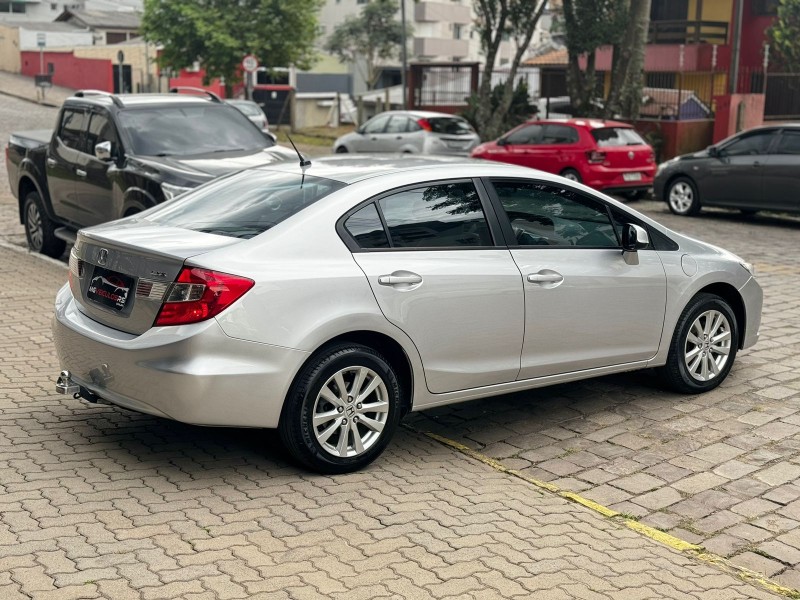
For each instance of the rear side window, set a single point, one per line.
(73, 126)
(559, 134)
(755, 143)
(244, 204)
(447, 215)
(449, 125)
(616, 136)
(366, 228)
(790, 143)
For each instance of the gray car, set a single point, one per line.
(753, 170)
(411, 132)
(329, 300)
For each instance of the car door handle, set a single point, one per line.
(51, 162)
(80, 172)
(410, 279)
(551, 277)
(399, 137)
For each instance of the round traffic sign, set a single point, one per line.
(250, 63)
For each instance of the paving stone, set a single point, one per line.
(698, 483)
(758, 563)
(658, 499)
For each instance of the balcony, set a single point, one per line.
(437, 12)
(425, 47)
(687, 32)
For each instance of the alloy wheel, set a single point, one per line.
(708, 345)
(350, 411)
(681, 197)
(33, 223)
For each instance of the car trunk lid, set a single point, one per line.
(623, 148)
(121, 276)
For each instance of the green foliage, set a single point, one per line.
(519, 110)
(219, 33)
(590, 24)
(785, 34)
(374, 35)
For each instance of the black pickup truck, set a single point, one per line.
(111, 156)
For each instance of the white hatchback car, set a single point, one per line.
(329, 300)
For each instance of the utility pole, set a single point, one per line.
(403, 56)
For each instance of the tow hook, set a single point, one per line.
(65, 385)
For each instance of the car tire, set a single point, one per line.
(39, 229)
(325, 427)
(696, 362)
(682, 197)
(572, 175)
(341, 150)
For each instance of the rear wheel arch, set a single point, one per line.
(388, 347)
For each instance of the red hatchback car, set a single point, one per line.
(606, 155)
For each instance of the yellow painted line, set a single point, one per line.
(664, 538)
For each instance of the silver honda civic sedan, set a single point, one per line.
(329, 300)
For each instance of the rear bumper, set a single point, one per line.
(607, 179)
(193, 373)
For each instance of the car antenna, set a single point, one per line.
(304, 162)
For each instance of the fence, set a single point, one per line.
(781, 92)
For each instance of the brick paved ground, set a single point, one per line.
(720, 469)
(100, 502)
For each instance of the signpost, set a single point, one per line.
(120, 60)
(41, 80)
(250, 64)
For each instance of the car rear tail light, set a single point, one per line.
(200, 294)
(596, 157)
(425, 124)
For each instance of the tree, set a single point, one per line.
(591, 24)
(373, 36)
(785, 33)
(497, 21)
(519, 109)
(219, 33)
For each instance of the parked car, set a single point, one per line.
(752, 170)
(252, 111)
(411, 132)
(115, 155)
(328, 300)
(606, 155)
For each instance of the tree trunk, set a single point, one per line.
(631, 95)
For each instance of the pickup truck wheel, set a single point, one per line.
(39, 228)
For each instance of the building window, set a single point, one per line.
(456, 31)
(12, 7)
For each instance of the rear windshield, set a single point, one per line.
(451, 125)
(187, 130)
(617, 136)
(244, 204)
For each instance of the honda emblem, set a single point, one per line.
(102, 257)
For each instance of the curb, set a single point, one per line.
(28, 99)
(666, 539)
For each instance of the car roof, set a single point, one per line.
(419, 114)
(584, 122)
(350, 168)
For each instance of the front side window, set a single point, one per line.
(789, 143)
(376, 124)
(755, 144)
(73, 126)
(543, 214)
(100, 130)
(245, 204)
(397, 124)
(446, 215)
(527, 134)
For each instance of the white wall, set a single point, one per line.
(54, 39)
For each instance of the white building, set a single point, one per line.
(31, 11)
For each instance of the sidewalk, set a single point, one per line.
(20, 86)
(98, 502)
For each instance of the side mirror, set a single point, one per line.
(713, 151)
(360, 130)
(103, 151)
(502, 142)
(634, 237)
